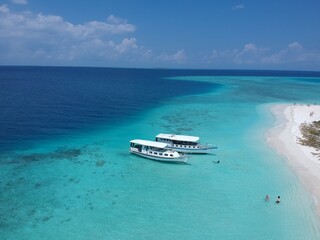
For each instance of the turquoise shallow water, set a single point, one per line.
(87, 185)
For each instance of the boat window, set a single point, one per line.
(160, 154)
(155, 153)
(171, 155)
(150, 151)
(166, 154)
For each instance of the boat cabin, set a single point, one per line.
(177, 139)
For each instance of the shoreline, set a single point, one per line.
(283, 138)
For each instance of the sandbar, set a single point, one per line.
(284, 139)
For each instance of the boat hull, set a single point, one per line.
(192, 150)
(163, 159)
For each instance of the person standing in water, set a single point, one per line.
(278, 200)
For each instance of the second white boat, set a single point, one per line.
(184, 143)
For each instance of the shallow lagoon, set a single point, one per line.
(87, 186)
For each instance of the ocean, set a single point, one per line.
(66, 172)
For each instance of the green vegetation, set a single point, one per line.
(311, 136)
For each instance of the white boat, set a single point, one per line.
(184, 143)
(155, 151)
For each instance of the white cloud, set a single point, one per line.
(26, 35)
(115, 20)
(238, 7)
(295, 45)
(251, 55)
(27, 22)
(249, 47)
(19, 1)
(294, 52)
(178, 57)
(126, 45)
(4, 9)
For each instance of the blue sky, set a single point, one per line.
(274, 34)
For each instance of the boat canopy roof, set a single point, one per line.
(184, 138)
(149, 143)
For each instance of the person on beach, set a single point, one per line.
(278, 200)
(267, 198)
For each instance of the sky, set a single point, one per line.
(202, 34)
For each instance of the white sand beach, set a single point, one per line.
(283, 138)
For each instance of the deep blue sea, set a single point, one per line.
(66, 173)
(43, 102)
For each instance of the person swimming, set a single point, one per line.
(278, 200)
(267, 198)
